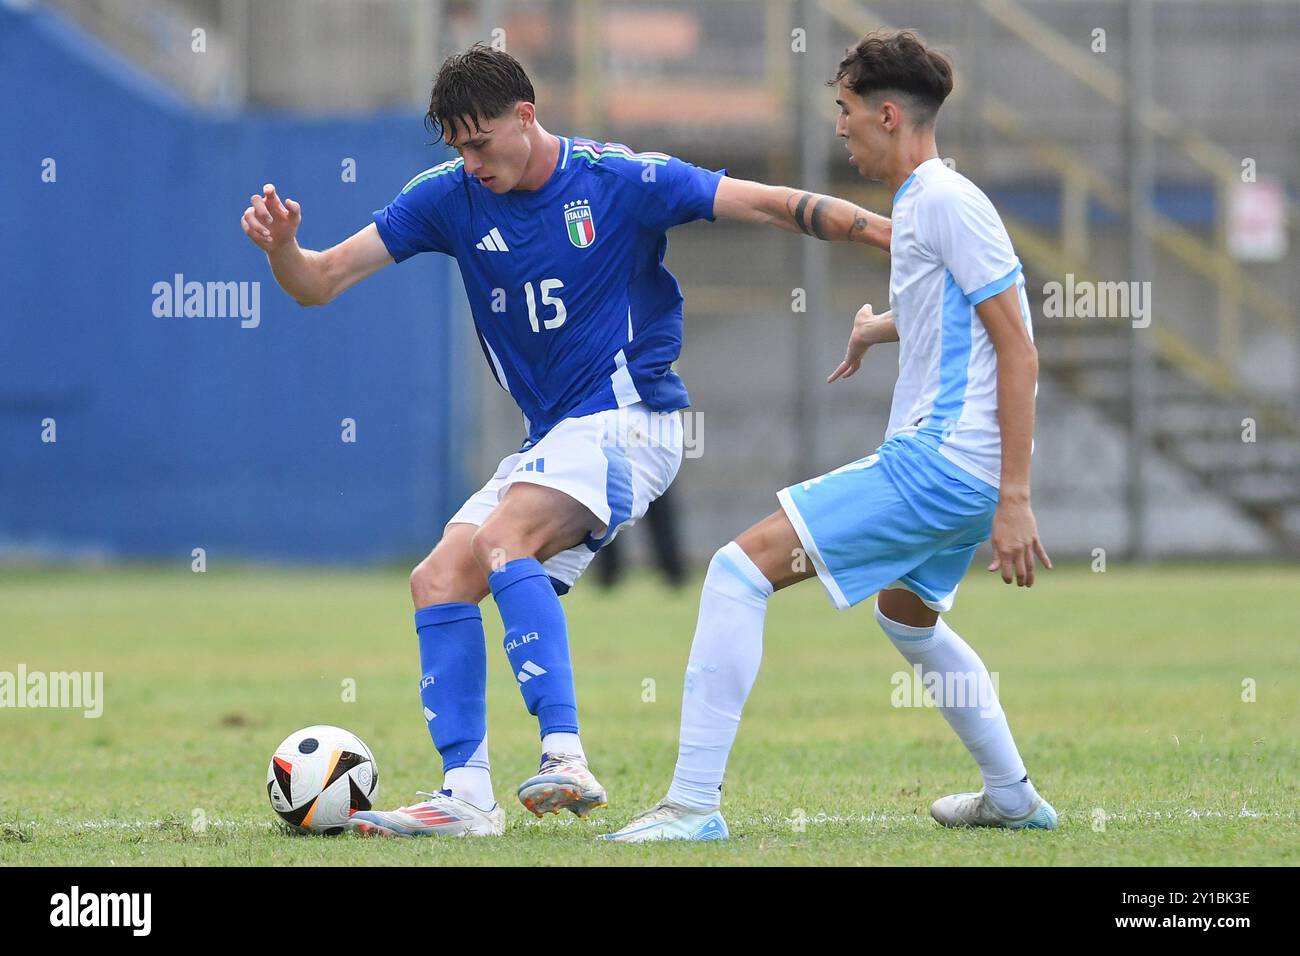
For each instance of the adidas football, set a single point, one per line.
(318, 776)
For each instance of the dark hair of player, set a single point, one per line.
(477, 85)
(898, 62)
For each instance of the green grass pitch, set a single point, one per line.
(1124, 689)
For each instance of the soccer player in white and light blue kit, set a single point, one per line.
(905, 522)
(560, 242)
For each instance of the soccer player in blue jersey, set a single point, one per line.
(905, 521)
(560, 241)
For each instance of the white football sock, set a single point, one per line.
(725, 655)
(472, 782)
(568, 744)
(968, 701)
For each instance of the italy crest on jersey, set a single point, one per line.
(580, 224)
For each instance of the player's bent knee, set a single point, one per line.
(775, 549)
(732, 568)
(432, 582)
(489, 547)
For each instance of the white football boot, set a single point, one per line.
(668, 821)
(562, 783)
(976, 810)
(440, 815)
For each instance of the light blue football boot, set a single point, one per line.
(976, 810)
(668, 821)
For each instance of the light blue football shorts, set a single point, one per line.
(903, 517)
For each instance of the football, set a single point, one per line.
(318, 776)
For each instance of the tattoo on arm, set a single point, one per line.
(797, 213)
(818, 218)
(814, 221)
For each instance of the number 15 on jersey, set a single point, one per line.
(547, 286)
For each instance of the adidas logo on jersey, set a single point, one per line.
(492, 242)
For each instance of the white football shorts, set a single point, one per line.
(614, 462)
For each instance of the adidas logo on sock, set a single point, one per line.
(529, 671)
(492, 242)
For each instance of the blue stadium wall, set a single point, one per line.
(178, 433)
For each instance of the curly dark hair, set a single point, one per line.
(479, 84)
(898, 62)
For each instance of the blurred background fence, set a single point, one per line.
(1153, 141)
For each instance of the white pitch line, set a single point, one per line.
(923, 819)
(1085, 815)
(161, 825)
(747, 820)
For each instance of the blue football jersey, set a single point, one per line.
(574, 308)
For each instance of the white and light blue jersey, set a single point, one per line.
(574, 308)
(949, 252)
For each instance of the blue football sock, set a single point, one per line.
(453, 682)
(537, 643)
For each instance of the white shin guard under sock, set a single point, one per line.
(724, 661)
(968, 700)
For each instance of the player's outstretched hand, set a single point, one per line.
(868, 329)
(269, 222)
(1015, 543)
